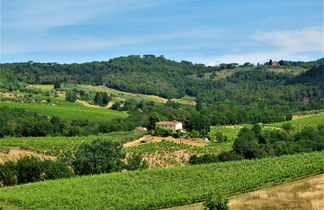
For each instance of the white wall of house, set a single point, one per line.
(173, 127)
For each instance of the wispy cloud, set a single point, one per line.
(306, 40)
(288, 45)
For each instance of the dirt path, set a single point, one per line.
(303, 194)
(15, 154)
(149, 139)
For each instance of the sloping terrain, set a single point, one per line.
(158, 188)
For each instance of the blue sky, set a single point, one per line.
(202, 31)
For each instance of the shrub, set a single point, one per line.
(8, 174)
(135, 162)
(31, 169)
(216, 202)
(98, 156)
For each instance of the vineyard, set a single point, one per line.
(310, 121)
(56, 145)
(158, 188)
(68, 111)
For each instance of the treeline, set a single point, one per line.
(170, 79)
(98, 156)
(255, 143)
(18, 122)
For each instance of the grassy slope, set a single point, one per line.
(232, 131)
(69, 111)
(162, 187)
(303, 122)
(128, 95)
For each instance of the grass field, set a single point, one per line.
(127, 95)
(55, 145)
(68, 111)
(230, 132)
(158, 188)
(310, 121)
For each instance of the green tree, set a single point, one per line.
(98, 156)
(70, 96)
(101, 98)
(246, 144)
(198, 122)
(153, 119)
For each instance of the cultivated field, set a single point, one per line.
(158, 188)
(299, 123)
(68, 111)
(168, 151)
(55, 145)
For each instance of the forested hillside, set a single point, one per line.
(246, 93)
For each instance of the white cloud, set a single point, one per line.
(259, 57)
(290, 45)
(306, 40)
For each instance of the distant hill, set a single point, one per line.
(314, 76)
(148, 74)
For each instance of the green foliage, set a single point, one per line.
(135, 162)
(162, 188)
(101, 98)
(198, 122)
(162, 132)
(246, 143)
(216, 201)
(8, 174)
(31, 169)
(71, 96)
(99, 156)
(153, 119)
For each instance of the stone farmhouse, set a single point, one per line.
(174, 125)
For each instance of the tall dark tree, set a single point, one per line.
(153, 119)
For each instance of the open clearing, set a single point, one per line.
(303, 194)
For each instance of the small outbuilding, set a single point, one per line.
(174, 125)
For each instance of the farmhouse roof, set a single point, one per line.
(168, 123)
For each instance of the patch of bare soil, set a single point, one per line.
(15, 154)
(149, 139)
